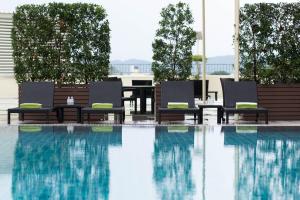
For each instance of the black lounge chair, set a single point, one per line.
(244, 91)
(34, 92)
(178, 91)
(105, 92)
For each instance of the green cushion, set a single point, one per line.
(178, 129)
(30, 105)
(102, 105)
(178, 105)
(30, 129)
(98, 129)
(247, 105)
(246, 129)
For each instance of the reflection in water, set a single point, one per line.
(172, 162)
(52, 164)
(268, 161)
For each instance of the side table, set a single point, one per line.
(60, 109)
(219, 112)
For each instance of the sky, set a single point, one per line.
(133, 23)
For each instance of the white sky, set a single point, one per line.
(134, 22)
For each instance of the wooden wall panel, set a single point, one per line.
(283, 101)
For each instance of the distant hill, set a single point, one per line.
(228, 59)
(221, 60)
(130, 61)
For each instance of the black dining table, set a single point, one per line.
(143, 97)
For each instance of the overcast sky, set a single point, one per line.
(133, 23)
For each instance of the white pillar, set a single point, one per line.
(236, 40)
(203, 54)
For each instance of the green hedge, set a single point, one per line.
(65, 43)
(270, 42)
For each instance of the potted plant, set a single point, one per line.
(172, 48)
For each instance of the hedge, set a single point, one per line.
(65, 43)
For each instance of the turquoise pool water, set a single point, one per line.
(169, 163)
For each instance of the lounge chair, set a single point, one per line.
(105, 92)
(177, 92)
(244, 91)
(34, 93)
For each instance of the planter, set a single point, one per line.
(164, 117)
(80, 94)
(282, 100)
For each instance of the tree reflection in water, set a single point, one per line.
(52, 164)
(268, 162)
(172, 162)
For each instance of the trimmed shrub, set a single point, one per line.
(65, 43)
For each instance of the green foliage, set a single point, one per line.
(65, 43)
(270, 43)
(197, 58)
(172, 47)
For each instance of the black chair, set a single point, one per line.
(198, 88)
(34, 92)
(244, 91)
(148, 93)
(105, 92)
(130, 99)
(178, 91)
(222, 80)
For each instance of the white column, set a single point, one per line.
(236, 40)
(203, 54)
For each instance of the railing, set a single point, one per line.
(126, 69)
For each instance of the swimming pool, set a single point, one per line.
(148, 162)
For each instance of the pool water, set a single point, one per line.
(148, 162)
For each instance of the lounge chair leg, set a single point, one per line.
(82, 118)
(47, 117)
(227, 117)
(121, 118)
(200, 120)
(8, 117)
(89, 117)
(267, 117)
(135, 105)
(159, 118)
(22, 116)
(257, 116)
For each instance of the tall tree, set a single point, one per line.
(172, 47)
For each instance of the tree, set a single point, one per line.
(172, 47)
(269, 42)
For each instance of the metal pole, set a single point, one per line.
(236, 40)
(204, 55)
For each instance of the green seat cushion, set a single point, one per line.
(99, 129)
(178, 105)
(30, 105)
(246, 129)
(102, 105)
(247, 105)
(178, 129)
(30, 129)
